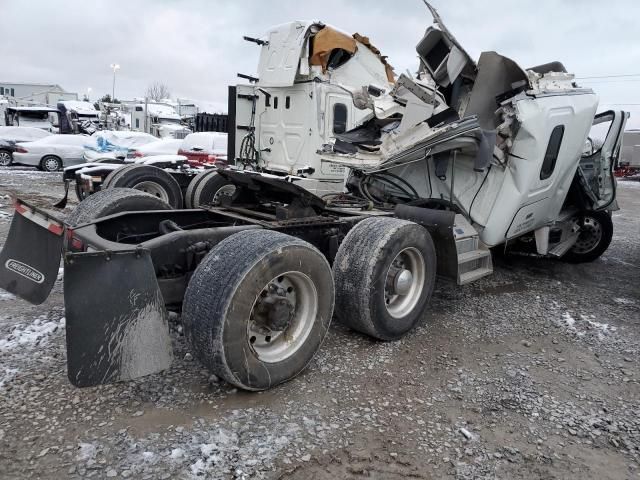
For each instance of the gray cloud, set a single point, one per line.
(196, 46)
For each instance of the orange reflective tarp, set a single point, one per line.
(327, 40)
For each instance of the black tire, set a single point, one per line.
(51, 163)
(588, 249)
(205, 188)
(223, 291)
(147, 178)
(191, 188)
(113, 175)
(81, 195)
(6, 158)
(111, 201)
(364, 301)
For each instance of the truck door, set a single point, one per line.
(595, 172)
(339, 118)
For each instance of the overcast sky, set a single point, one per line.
(196, 46)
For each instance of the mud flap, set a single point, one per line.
(116, 323)
(30, 258)
(63, 203)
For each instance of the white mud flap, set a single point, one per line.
(117, 326)
(30, 257)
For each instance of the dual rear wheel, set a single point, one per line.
(207, 187)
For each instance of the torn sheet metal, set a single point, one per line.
(367, 43)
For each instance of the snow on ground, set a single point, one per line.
(6, 296)
(586, 325)
(624, 301)
(30, 335)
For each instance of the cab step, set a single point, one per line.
(474, 258)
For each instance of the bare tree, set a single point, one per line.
(157, 91)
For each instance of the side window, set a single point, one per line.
(550, 157)
(287, 102)
(137, 123)
(1, 90)
(339, 118)
(275, 102)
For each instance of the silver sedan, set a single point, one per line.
(53, 153)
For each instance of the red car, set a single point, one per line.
(205, 148)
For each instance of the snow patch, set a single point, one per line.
(624, 301)
(6, 295)
(86, 451)
(586, 325)
(177, 453)
(568, 320)
(31, 334)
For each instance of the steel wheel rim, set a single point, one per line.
(272, 346)
(404, 282)
(51, 164)
(225, 191)
(154, 189)
(5, 159)
(589, 236)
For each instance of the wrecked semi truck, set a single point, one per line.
(442, 166)
(276, 122)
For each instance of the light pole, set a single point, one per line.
(114, 67)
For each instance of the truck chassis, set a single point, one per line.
(252, 277)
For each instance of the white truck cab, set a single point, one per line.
(308, 76)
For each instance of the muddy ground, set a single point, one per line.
(530, 373)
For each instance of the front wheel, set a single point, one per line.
(594, 237)
(51, 164)
(258, 307)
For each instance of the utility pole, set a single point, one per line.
(114, 67)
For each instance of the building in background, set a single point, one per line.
(24, 94)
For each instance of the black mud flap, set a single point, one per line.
(116, 322)
(30, 257)
(63, 203)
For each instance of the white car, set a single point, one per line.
(54, 152)
(22, 134)
(167, 146)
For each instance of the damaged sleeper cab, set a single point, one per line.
(499, 145)
(441, 167)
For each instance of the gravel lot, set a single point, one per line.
(530, 373)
